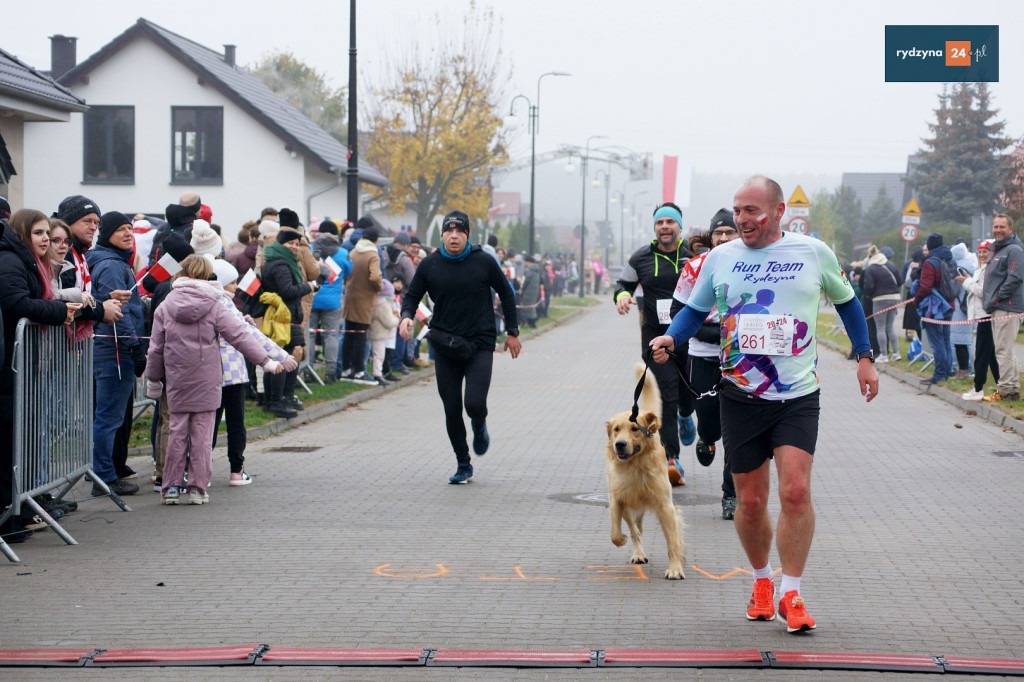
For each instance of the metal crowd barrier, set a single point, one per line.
(53, 415)
(142, 403)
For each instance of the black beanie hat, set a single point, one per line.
(328, 227)
(288, 218)
(177, 246)
(285, 236)
(76, 207)
(934, 241)
(109, 224)
(457, 220)
(179, 216)
(723, 217)
(364, 222)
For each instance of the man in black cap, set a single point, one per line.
(119, 353)
(459, 278)
(704, 365)
(82, 217)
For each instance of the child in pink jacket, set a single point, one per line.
(184, 352)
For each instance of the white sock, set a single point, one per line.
(765, 572)
(789, 584)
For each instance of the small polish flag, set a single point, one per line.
(250, 284)
(333, 267)
(423, 313)
(164, 268)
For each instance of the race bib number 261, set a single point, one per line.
(765, 334)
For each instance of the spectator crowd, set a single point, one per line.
(201, 324)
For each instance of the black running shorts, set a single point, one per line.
(753, 427)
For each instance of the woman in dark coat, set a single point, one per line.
(25, 291)
(282, 275)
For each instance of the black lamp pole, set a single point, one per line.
(352, 172)
(534, 119)
(583, 216)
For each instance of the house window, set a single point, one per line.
(197, 145)
(109, 145)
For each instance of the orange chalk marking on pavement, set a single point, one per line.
(519, 576)
(442, 570)
(630, 572)
(733, 573)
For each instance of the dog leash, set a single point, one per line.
(648, 357)
(636, 395)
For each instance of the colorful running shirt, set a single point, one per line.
(768, 301)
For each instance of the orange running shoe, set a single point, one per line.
(675, 473)
(762, 601)
(793, 611)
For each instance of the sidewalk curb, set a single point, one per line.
(978, 409)
(321, 410)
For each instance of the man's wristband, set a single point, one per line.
(512, 332)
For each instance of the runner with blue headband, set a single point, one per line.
(652, 273)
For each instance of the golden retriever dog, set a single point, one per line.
(638, 479)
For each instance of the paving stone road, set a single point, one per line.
(352, 537)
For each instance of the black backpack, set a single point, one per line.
(947, 286)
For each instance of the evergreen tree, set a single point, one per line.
(1012, 197)
(847, 205)
(882, 215)
(307, 90)
(962, 172)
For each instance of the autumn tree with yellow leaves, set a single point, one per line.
(434, 125)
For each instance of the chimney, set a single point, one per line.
(63, 55)
(229, 55)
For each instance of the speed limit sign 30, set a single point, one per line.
(909, 233)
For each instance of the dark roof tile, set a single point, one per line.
(20, 80)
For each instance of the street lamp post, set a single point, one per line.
(607, 200)
(635, 217)
(534, 119)
(622, 222)
(622, 234)
(583, 214)
(352, 171)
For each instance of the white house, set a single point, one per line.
(26, 95)
(166, 115)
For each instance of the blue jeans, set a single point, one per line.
(938, 339)
(112, 396)
(398, 357)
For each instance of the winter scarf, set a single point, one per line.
(277, 251)
(457, 257)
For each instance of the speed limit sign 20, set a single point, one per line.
(798, 225)
(909, 233)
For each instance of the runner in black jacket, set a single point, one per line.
(459, 278)
(655, 268)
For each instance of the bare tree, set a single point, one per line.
(434, 122)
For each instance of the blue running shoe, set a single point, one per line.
(462, 475)
(687, 431)
(481, 439)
